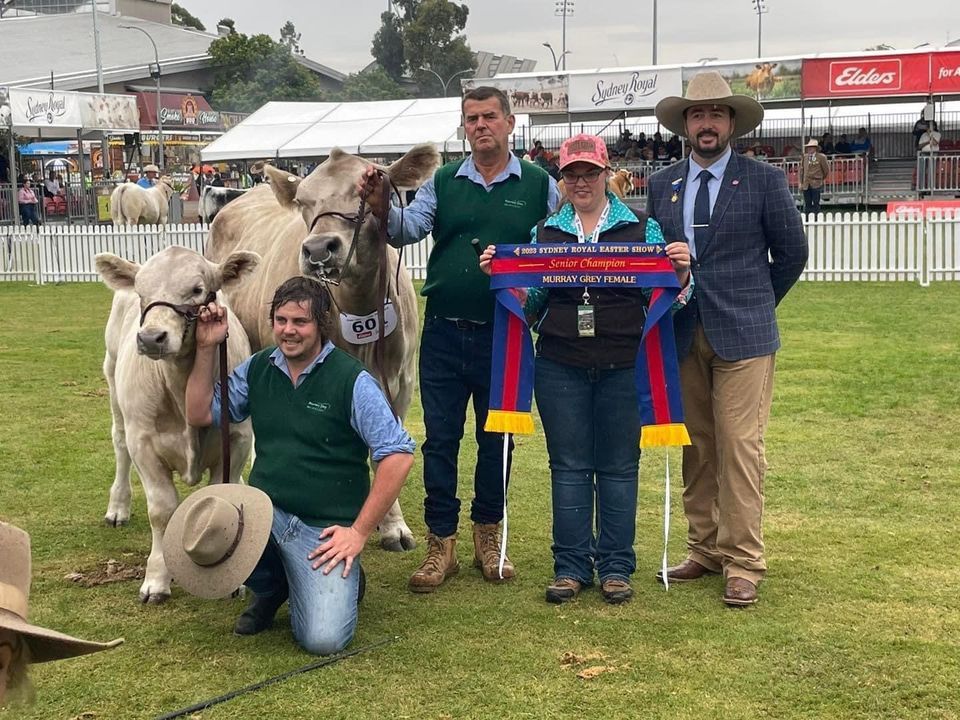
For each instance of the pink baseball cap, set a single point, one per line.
(584, 148)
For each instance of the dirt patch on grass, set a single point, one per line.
(109, 571)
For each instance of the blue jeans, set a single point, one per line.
(592, 426)
(323, 608)
(455, 364)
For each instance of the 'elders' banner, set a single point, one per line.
(866, 76)
(945, 72)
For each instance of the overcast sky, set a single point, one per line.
(605, 33)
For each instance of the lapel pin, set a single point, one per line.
(735, 182)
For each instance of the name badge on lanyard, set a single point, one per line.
(364, 329)
(586, 319)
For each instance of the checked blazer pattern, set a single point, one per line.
(753, 253)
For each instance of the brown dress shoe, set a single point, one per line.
(739, 592)
(686, 571)
(486, 553)
(440, 563)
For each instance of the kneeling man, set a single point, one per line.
(317, 415)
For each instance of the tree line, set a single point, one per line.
(417, 41)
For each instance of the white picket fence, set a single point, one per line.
(843, 247)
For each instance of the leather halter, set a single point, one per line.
(188, 311)
(357, 219)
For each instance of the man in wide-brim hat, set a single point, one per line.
(814, 171)
(22, 643)
(748, 248)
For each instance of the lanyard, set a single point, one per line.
(581, 238)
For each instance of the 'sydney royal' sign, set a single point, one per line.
(640, 89)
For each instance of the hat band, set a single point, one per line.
(13, 599)
(234, 544)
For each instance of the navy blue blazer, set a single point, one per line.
(754, 252)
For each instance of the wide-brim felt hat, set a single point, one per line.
(151, 168)
(216, 537)
(812, 142)
(709, 88)
(44, 644)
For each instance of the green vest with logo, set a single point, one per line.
(455, 286)
(310, 460)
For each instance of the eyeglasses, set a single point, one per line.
(572, 178)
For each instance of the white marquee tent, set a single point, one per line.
(305, 129)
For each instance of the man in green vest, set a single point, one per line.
(317, 415)
(491, 197)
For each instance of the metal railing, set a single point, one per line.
(938, 173)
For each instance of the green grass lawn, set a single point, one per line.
(859, 615)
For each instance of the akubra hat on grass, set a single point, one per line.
(709, 88)
(44, 644)
(216, 537)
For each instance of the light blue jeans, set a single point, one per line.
(323, 608)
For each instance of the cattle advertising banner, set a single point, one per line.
(945, 73)
(533, 94)
(4, 107)
(765, 80)
(639, 89)
(867, 76)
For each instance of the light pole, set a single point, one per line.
(446, 82)
(563, 8)
(156, 57)
(654, 32)
(760, 7)
(556, 60)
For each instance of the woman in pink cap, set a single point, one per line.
(584, 382)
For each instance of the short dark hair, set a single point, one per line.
(300, 289)
(485, 92)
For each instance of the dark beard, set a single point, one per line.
(721, 147)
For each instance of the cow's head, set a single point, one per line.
(171, 284)
(331, 188)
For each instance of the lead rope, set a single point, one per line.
(224, 414)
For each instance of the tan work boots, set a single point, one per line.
(486, 553)
(441, 560)
(440, 563)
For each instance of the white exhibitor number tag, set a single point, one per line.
(363, 329)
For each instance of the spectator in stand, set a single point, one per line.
(624, 142)
(843, 145)
(929, 145)
(919, 128)
(826, 144)
(674, 148)
(537, 149)
(749, 152)
(862, 144)
(647, 154)
(633, 152)
(659, 147)
(51, 186)
(814, 171)
(550, 165)
(28, 202)
(150, 174)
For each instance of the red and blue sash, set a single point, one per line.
(633, 265)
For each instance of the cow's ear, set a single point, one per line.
(413, 169)
(283, 184)
(116, 272)
(237, 265)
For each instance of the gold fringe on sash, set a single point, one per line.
(506, 421)
(664, 435)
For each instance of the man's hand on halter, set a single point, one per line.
(211, 325)
(369, 187)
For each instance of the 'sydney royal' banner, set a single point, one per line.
(635, 265)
